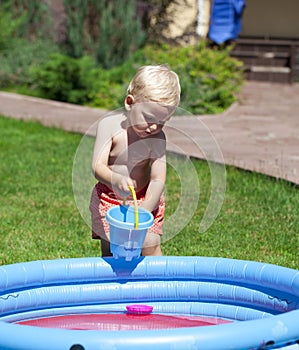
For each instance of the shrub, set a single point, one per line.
(209, 78)
(36, 21)
(107, 30)
(8, 26)
(20, 57)
(65, 79)
(18, 53)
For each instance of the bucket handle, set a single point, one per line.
(131, 188)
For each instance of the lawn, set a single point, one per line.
(40, 220)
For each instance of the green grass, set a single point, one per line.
(39, 218)
(258, 221)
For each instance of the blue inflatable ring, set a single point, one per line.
(261, 299)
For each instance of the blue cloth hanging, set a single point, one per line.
(225, 22)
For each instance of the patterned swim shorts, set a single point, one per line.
(103, 198)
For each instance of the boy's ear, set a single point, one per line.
(129, 101)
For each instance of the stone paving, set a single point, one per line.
(259, 133)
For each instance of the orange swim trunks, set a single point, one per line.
(103, 198)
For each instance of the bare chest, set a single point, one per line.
(128, 151)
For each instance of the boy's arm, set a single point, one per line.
(156, 184)
(101, 152)
(100, 158)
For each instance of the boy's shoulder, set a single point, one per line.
(112, 120)
(116, 115)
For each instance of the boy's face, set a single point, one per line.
(148, 118)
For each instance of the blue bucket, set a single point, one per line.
(126, 241)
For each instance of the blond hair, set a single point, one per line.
(157, 84)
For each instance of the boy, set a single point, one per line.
(130, 150)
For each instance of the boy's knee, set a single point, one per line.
(152, 245)
(152, 251)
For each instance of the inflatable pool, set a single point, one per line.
(256, 304)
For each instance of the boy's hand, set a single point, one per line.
(121, 185)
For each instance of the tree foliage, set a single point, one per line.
(107, 30)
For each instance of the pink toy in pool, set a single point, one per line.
(139, 309)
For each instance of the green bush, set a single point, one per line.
(209, 78)
(107, 30)
(120, 33)
(8, 26)
(20, 57)
(18, 53)
(65, 79)
(34, 16)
